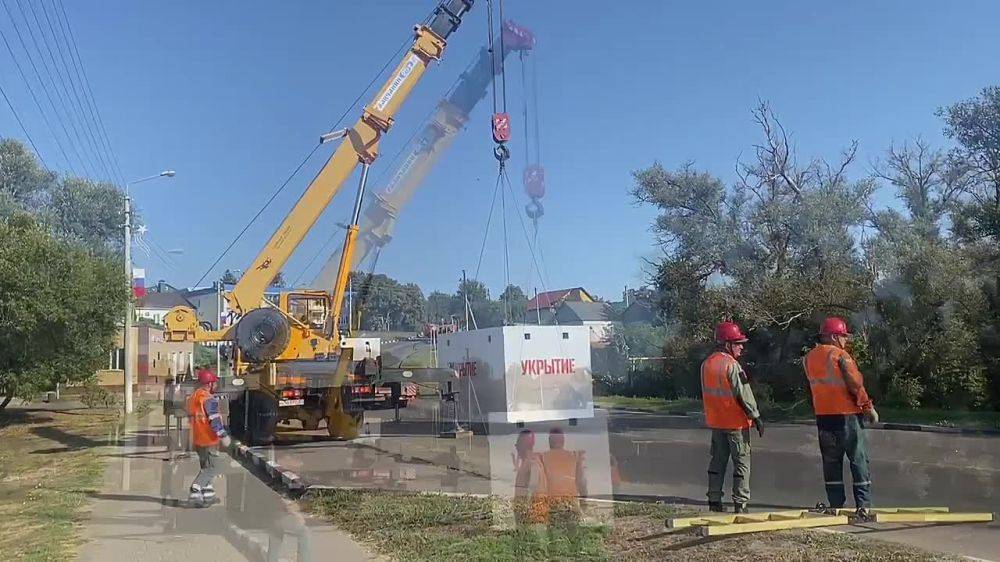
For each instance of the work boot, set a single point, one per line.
(716, 507)
(863, 515)
(195, 494)
(740, 508)
(208, 492)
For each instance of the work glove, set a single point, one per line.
(760, 426)
(226, 442)
(871, 415)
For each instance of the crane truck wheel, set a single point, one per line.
(237, 425)
(262, 423)
(340, 423)
(262, 335)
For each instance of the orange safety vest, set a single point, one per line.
(560, 469)
(722, 409)
(201, 426)
(828, 383)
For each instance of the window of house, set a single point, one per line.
(527, 336)
(565, 335)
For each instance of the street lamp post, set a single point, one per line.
(128, 340)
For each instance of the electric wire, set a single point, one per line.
(88, 92)
(91, 127)
(45, 90)
(24, 129)
(301, 164)
(38, 105)
(65, 99)
(258, 214)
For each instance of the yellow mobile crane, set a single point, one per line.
(292, 355)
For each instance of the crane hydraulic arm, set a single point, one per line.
(359, 145)
(421, 154)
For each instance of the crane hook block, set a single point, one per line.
(534, 181)
(501, 127)
(501, 153)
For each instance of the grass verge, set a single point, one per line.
(406, 526)
(801, 410)
(49, 462)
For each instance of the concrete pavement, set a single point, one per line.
(142, 512)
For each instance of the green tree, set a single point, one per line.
(441, 306)
(921, 331)
(383, 302)
(87, 212)
(60, 306)
(23, 182)
(487, 312)
(515, 302)
(774, 252)
(975, 125)
(229, 278)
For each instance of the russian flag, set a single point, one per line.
(139, 282)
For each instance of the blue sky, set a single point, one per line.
(232, 95)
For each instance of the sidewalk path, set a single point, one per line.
(142, 512)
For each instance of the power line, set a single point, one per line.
(258, 214)
(23, 128)
(88, 91)
(59, 96)
(45, 90)
(38, 104)
(71, 88)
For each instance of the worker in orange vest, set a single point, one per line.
(563, 479)
(207, 431)
(841, 405)
(730, 411)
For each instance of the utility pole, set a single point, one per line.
(218, 326)
(128, 340)
(465, 297)
(538, 309)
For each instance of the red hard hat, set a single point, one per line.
(834, 326)
(206, 376)
(729, 332)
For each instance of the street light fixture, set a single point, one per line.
(129, 341)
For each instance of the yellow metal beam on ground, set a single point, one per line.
(806, 521)
(735, 524)
(877, 510)
(910, 517)
(683, 522)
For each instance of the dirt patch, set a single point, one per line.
(431, 527)
(645, 538)
(49, 462)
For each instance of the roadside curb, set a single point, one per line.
(884, 426)
(272, 472)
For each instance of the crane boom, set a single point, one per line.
(359, 145)
(421, 154)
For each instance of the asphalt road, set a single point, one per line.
(666, 457)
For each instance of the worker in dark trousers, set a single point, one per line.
(207, 431)
(730, 411)
(842, 406)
